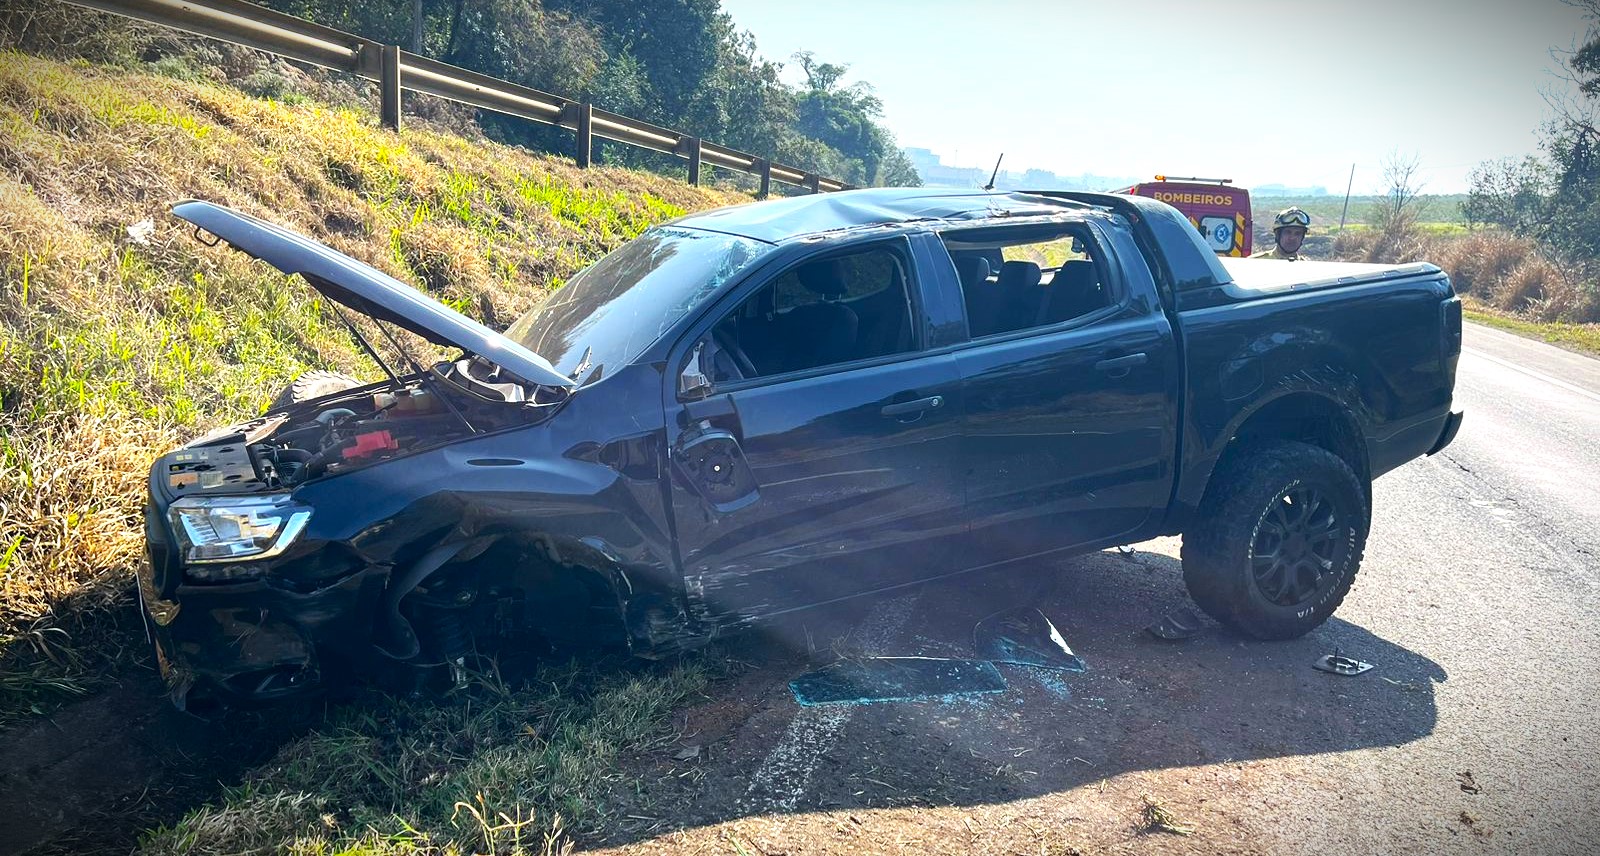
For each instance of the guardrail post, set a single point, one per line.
(814, 182)
(389, 88)
(585, 134)
(764, 169)
(694, 160)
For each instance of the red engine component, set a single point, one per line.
(370, 443)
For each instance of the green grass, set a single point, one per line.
(1432, 229)
(1583, 338)
(493, 769)
(1325, 210)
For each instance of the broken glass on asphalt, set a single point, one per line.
(878, 679)
(1024, 637)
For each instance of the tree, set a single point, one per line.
(1571, 226)
(844, 118)
(1397, 211)
(1508, 193)
(754, 109)
(1555, 198)
(675, 42)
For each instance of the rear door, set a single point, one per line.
(1069, 423)
(814, 441)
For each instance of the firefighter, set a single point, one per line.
(1288, 233)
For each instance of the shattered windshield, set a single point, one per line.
(611, 311)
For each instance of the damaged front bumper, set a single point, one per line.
(256, 642)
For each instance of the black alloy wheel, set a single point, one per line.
(1297, 545)
(1278, 539)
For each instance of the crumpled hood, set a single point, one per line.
(367, 290)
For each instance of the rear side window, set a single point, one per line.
(1019, 278)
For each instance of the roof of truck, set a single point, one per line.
(780, 219)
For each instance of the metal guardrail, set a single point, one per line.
(395, 69)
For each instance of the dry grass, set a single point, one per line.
(113, 346)
(1501, 272)
(1154, 816)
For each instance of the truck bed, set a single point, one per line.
(1256, 277)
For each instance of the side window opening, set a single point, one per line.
(1017, 278)
(827, 311)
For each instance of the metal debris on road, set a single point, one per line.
(1180, 624)
(1024, 637)
(1338, 664)
(1468, 784)
(879, 679)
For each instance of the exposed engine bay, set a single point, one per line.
(368, 425)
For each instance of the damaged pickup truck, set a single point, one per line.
(774, 406)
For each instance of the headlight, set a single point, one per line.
(234, 528)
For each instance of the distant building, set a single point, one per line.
(936, 173)
(1283, 190)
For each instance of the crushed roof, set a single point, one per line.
(779, 219)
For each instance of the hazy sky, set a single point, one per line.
(1291, 92)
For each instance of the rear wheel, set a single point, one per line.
(1278, 540)
(313, 384)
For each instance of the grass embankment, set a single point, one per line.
(1584, 338)
(117, 342)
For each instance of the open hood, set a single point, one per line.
(367, 290)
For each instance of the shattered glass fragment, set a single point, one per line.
(1179, 624)
(1052, 681)
(878, 679)
(1024, 637)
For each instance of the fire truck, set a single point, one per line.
(1218, 209)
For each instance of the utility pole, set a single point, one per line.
(1347, 185)
(416, 27)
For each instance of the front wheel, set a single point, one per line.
(1278, 540)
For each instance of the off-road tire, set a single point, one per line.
(1220, 564)
(313, 384)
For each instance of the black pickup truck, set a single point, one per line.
(774, 406)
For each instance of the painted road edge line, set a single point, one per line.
(1531, 373)
(783, 777)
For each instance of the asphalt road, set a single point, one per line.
(1476, 731)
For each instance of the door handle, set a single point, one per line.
(906, 408)
(1122, 364)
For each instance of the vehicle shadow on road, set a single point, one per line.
(1144, 704)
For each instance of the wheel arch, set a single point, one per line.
(1308, 416)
